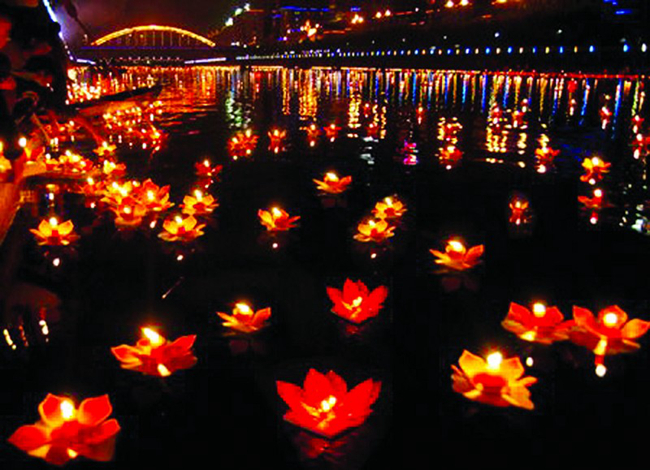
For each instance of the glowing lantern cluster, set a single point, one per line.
(457, 257)
(51, 232)
(245, 319)
(181, 229)
(199, 204)
(133, 200)
(105, 149)
(155, 355)
(448, 130)
(355, 302)
(242, 144)
(66, 432)
(325, 406)
(540, 324)
(608, 333)
(277, 219)
(495, 381)
(332, 183)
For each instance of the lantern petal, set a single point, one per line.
(471, 364)
(335, 295)
(94, 410)
(104, 431)
(635, 328)
(511, 369)
(125, 353)
(316, 387)
(291, 394)
(183, 344)
(584, 318)
(50, 410)
(339, 386)
(29, 437)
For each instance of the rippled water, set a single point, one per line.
(226, 409)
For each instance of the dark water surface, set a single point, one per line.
(225, 412)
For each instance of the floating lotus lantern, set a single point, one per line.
(637, 122)
(545, 155)
(199, 204)
(115, 192)
(605, 116)
(65, 432)
(332, 184)
(495, 116)
(105, 149)
(154, 197)
(332, 132)
(276, 140)
(155, 355)
(112, 169)
(181, 229)
(640, 146)
(325, 406)
(409, 151)
(596, 202)
(277, 220)
(608, 333)
(450, 156)
(313, 133)
(244, 319)
(129, 213)
(519, 210)
(495, 381)
(457, 256)
(595, 168)
(51, 232)
(391, 207)
(74, 163)
(540, 324)
(242, 144)
(205, 169)
(355, 302)
(374, 230)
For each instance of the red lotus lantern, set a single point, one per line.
(541, 324)
(596, 202)
(65, 432)
(105, 150)
(325, 406)
(244, 319)
(276, 140)
(332, 184)
(277, 220)
(313, 133)
(457, 256)
(450, 156)
(495, 381)
(155, 355)
(608, 333)
(355, 302)
(129, 213)
(52, 232)
(205, 169)
(154, 197)
(242, 144)
(332, 132)
(519, 211)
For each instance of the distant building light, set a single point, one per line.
(626, 48)
(592, 49)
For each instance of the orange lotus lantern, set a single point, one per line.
(637, 122)
(154, 197)
(450, 156)
(495, 381)
(205, 169)
(595, 168)
(199, 204)
(129, 213)
(242, 144)
(519, 211)
(245, 319)
(112, 169)
(277, 220)
(183, 230)
(276, 140)
(332, 184)
(540, 324)
(313, 133)
(374, 230)
(391, 207)
(457, 256)
(105, 149)
(51, 232)
(332, 132)
(325, 406)
(74, 163)
(608, 333)
(545, 155)
(596, 202)
(65, 432)
(155, 355)
(355, 302)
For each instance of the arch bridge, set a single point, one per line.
(151, 44)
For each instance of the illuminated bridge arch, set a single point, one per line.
(153, 36)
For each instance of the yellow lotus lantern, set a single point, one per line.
(179, 229)
(199, 204)
(277, 220)
(332, 184)
(374, 230)
(52, 232)
(389, 208)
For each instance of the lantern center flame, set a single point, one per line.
(243, 308)
(328, 404)
(68, 410)
(610, 319)
(539, 309)
(494, 361)
(154, 338)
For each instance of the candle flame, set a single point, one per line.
(68, 410)
(539, 309)
(154, 338)
(610, 319)
(494, 361)
(243, 308)
(53, 221)
(328, 404)
(276, 212)
(456, 245)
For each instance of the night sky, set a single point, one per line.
(104, 16)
